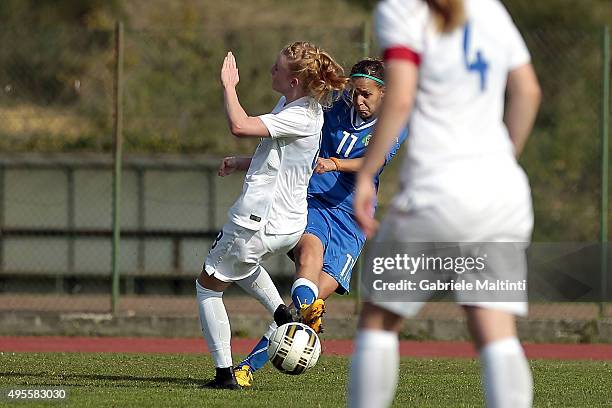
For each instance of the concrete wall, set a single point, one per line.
(62, 192)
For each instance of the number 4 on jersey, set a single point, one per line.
(480, 65)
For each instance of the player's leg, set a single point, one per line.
(375, 363)
(312, 314)
(258, 357)
(233, 257)
(215, 328)
(327, 285)
(343, 243)
(310, 252)
(260, 286)
(308, 255)
(505, 371)
(506, 375)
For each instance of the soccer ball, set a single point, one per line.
(294, 348)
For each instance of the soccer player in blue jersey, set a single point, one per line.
(332, 240)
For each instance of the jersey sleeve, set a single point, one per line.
(518, 54)
(294, 121)
(400, 28)
(396, 146)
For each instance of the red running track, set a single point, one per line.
(243, 346)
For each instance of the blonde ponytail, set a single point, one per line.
(321, 76)
(449, 14)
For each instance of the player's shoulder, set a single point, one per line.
(492, 11)
(340, 110)
(279, 105)
(493, 16)
(402, 23)
(400, 10)
(403, 6)
(487, 6)
(306, 103)
(306, 110)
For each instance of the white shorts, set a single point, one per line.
(237, 252)
(454, 222)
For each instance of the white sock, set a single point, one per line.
(260, 286)
(374, 369)
(303, 292)
(215, 325)
(506, 375)
(273, 326)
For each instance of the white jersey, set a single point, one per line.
(275, 186)
(457, 134)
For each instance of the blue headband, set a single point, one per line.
(380, 81)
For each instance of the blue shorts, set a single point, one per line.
(341, 237)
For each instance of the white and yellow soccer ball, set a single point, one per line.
(294, 348)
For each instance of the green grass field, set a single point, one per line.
(165, 380)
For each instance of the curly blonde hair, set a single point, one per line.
(321, 76)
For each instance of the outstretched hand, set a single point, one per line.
(229, 71)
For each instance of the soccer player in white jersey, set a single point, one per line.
(270, 214)
(449, 64)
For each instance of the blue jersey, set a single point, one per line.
(345, 136)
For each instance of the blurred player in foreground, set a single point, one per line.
(270, 215)
(332, 240)
(449, 64)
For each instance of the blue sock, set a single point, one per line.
(302, 295)
(258, 357)
(303, 292)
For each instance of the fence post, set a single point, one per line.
(141, 257)
(605, 118)
(60, 279)
(117, 158)
(2, 195)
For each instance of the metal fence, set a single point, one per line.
(56, 229)
(56, 94)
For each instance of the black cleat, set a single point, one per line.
(282, 315)
(224, 380)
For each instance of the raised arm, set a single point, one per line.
(524, 97)
(240, 124)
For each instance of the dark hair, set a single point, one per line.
(449, 14)
(370, 66)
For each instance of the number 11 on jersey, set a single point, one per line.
(350, 146)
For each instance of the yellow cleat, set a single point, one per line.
(311, 314)
(244, 376)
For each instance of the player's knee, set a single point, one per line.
(210, 282)
(309, 259)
